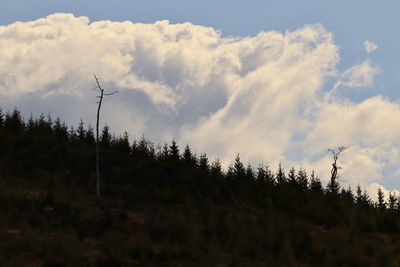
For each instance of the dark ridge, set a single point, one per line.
(167, 206)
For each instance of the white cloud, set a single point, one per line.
(361, 75)
(372, 191)
(261, 96)
(370, 46)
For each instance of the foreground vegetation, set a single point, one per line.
(169, 207)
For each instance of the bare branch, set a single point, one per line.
(111, 93)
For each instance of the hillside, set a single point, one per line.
(167, 206)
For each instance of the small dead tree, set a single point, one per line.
(100, 97)
(333, 185)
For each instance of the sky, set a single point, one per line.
(274, 81)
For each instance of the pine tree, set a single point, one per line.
(30, 126)
(14, 122)
(89, 136)
(333, 186)
(366, 199)
(174, 151)
(123, 144)
(315, 184)
(72, 134)
(165, 152)
(392, 201)
(60, 129)
(292, 177)
(250, 176)
(381, 204)
(261, 175)
(106, 137)
(188, 157)
(81, 131)
(204, 167)
(238, 168)
(280, 175)
(216, 168)
(302, 179)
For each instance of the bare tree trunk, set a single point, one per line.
(102, 94)
(97, 141)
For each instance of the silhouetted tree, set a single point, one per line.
(392, 201)
(106, 137)
(165, 152)
(123, 144)
(188, 157)
(60, 129)
(238, 168)
(174, 151)
(333, 185)
(216, 168)
(31, 125)
(302, 179)
(280, 175)
(81, 131)
(261, 175)
(89, 135)
(14, 122)
(315, 183)
(101, 95)
(204, 166)
(250, 176)
(72, 134)
(381, 204)
(292, 177)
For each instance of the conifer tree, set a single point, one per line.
(165, 152)
(250, 176)
(216, 168)
(359, 195)
(315, 183)
(381, 204)
(302, 179)
(188, 157)
(60, 129)
(392, 201)
(72, 134)
(292, 177)
(14, 122)
(123, 144)
(280, 175)
(30, 126)
(81, 131)
(238, 168)
(174, 151)
(106, 137)
(261, 175)
(203, 164)
(366, 199)
(89, 135)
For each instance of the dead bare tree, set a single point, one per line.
(333, 185)
(100, 96)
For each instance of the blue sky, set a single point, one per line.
(209, 91)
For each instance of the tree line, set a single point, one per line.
(170, 204)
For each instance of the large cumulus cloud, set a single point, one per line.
(266, 97)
